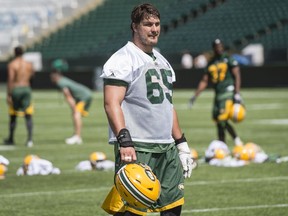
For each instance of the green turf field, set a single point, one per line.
(256, 189)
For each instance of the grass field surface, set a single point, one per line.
(255, 189)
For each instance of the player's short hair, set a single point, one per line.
(18, 51)
(142, 11)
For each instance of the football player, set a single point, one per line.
(78, 96)
(19, 95)
(144, 128)
(218, 154)
(97, 161)
(224, 73)
(34, 165)
(4, 162)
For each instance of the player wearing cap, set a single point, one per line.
(78, 96)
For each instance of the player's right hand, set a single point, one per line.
(191, 101)
(128, 154)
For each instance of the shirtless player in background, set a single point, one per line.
(19, 94)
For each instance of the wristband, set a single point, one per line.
(124, 138)
(180, 140)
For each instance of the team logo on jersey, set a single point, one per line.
(111, 74)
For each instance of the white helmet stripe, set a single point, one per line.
(236, 111)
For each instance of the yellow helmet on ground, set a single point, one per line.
(237, 151)
(138, 185)
(256, 148)
(237, 112)
(3, 170)
(194, 153)
(97, 156)
(247, 154)
(28, 159)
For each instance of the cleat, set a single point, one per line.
(8, 142)
(74, 140)
(29, 144)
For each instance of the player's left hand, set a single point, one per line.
(186, 159)
(237, 98)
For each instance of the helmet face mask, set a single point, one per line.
(137, 185)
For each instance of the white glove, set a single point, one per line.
(237, 98)
(185, 157)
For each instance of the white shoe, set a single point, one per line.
(74, 140)
(29, 144)
(238, 141)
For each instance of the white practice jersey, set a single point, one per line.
(39, 166)
(105, 165)
(147, 106)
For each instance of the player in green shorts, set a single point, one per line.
(224, 73)
(19, 95)
(78, 96)
(138, 90)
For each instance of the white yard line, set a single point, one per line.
(272, 121)
(278, 178)
(235, 208)
(270, 106)
(55, 192)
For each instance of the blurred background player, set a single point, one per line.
(19, 94)
(4, 162)
(78, 96)
(224, 73)
(97, 161)
(34, 165)
(250, 152)
(218, 154)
